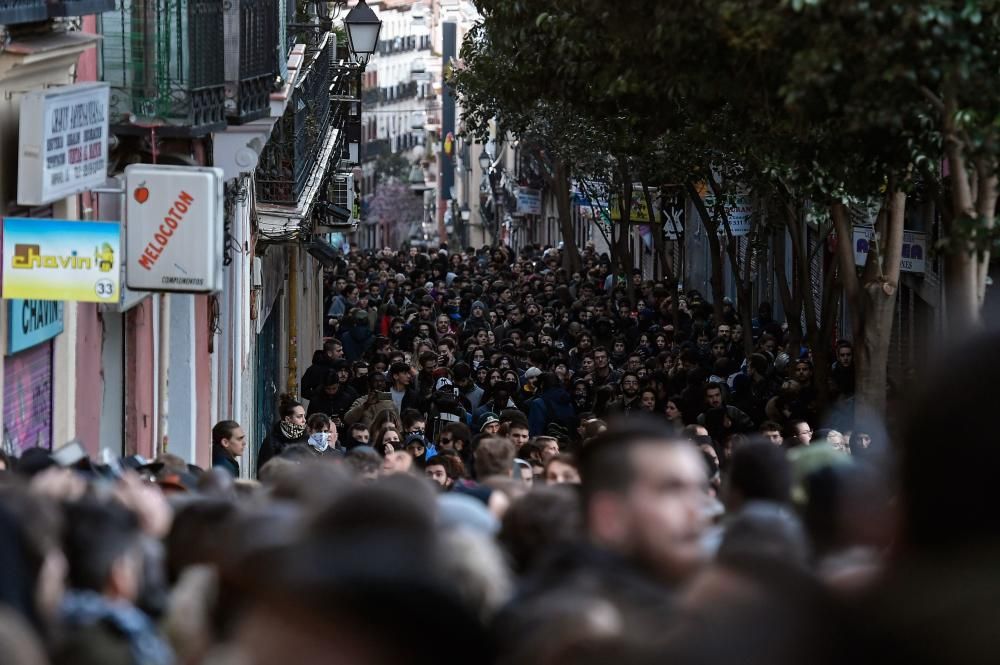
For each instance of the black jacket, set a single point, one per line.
(332, 406)
(223, 460)
(313, 378)
(274, 444)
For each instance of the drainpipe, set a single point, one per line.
(293, 315)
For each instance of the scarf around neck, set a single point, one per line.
(292, 431)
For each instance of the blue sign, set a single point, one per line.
(32, 322)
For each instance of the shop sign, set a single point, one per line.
(738, 210)
(673, 215)
(529, 201)
(31, 322)
(639, 212)
(55, 259)
(914, 248)
(62, 142)
(174, 219)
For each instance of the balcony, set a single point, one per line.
(251, 33)
(13, 12)
(162, 59)
(289, 157)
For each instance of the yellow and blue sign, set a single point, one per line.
(55, 259)
(31, 322)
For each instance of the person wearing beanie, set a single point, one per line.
(478, 319)
(490, 424)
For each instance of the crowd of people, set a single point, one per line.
(495, 461)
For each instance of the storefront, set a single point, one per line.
(28, 376)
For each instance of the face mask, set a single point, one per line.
(320, 441)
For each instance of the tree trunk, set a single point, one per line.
(715, 248)
(986, 206)
(570, 252)
(961, 269)
(793, 308)
(872, 303)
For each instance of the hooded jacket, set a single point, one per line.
(553, 405)
(356, 340)
(313, 377)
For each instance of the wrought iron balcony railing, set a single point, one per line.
(292, 151)
(162, 59)
(251, 29)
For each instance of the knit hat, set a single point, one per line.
(479, 304)
(532, 372)
(488, 419)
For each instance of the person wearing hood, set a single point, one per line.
(331, 399)
(345, 374)
(357, 335)
(553, 410)
(477, 318)
(322, 362)
(291, 428)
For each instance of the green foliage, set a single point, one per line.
(818, 100)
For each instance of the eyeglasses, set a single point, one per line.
(446, 439)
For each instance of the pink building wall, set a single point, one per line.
(89, 376)
(90, 334)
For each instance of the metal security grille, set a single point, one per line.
(251, 35)
(27, 405)
(161, 58)
(297, 138)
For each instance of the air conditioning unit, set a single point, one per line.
(339, 209)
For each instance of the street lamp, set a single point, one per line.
(363, 27)
(484, 161)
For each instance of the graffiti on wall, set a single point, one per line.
(27, 408)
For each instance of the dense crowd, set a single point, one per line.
(497, 461)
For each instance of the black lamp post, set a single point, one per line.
(363, 27)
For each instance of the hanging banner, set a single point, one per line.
(529, 201)
(738, 210)
(55, 259)
(673, 214)
(914, 248)
(31, 322)
(62, 142)
(639, 212)
(174, 219)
